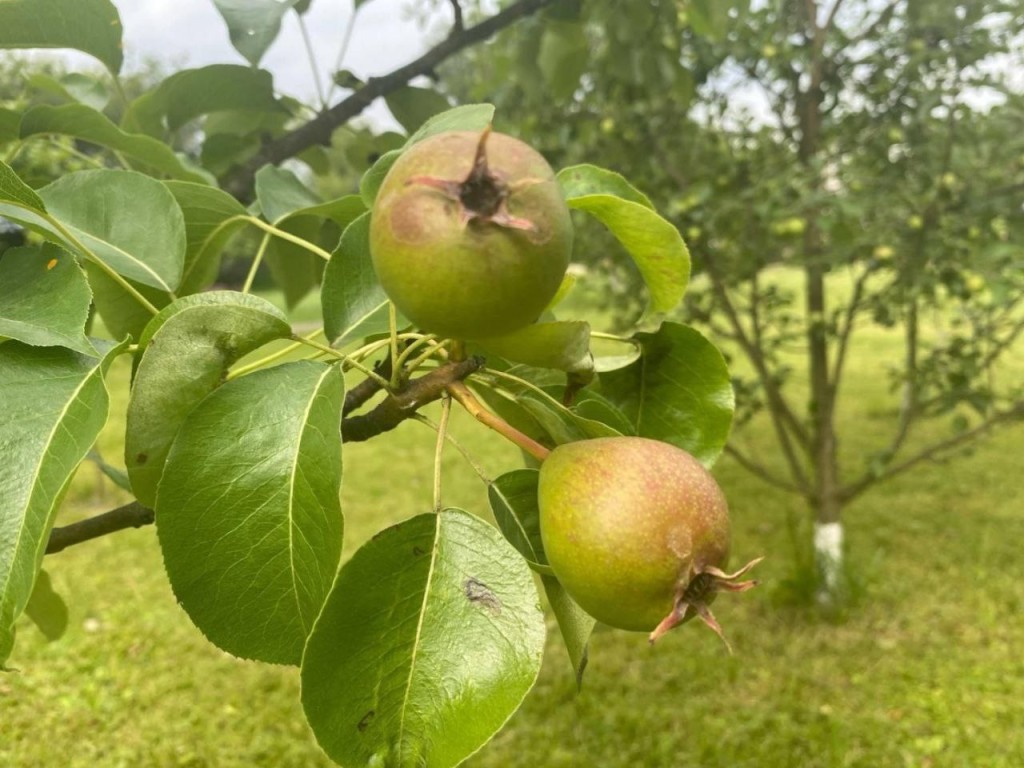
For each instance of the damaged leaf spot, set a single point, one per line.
(51, 264)
(479, 593)
(365, 722)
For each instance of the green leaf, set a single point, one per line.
(563, 56)
(10, 125)
(295, 269)
(253, 25)
(369, 185)
(412, 106)
(122, 313)
(14, 190)
(187, 349)
(354, 304)
(72, 87)
(248, 511)
(127, 220)
(54, 403)
(584, 180)
(423, 666)
(287, 203)
(191, 93)
(655, 245)
(44, 298)
(207, 211)
(468, 117)
(679, 391)
(575, 624)
(513, 498)
(90, 26)
(280, 193)
(86, 123)
(46, 609)
(563, 345)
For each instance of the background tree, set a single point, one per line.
(869, 146)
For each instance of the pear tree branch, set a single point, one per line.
(239, 180)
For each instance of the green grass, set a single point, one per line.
(926, 671)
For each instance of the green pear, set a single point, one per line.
(637, 531)
(470, 234)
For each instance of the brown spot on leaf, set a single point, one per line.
(365, 722)
(480, 594)
(142, 458)
(417, 551)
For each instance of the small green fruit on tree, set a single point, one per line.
(637, 531)
(470, 234)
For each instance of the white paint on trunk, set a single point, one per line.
(828, 554)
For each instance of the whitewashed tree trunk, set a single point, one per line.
(828, 555)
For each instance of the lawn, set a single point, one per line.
(926, 671)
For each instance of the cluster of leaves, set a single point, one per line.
(420, 647)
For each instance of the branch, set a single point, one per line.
(239, 180)
(402, 405)
(132, 515)
(459, 25)
(870, 478)
(761, 471)
(846, 331)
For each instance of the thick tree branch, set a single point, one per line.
(402, 405)
(132, 515)
(239, 180)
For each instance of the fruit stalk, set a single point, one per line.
(460, 392)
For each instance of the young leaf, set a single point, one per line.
(46, 609)
(192, 93)
(289, 205)
(563, 345)
(583, 180)
(354, 304)
(127, 220)
(563, 56)
(654, 244)
(73, 87)
(122, 313)
(14, 190)
(468, 117)
(93, 126)
(187, 349)
(679, 391)
(90, 26)
(206, 210)
(575, 624)
(10, 124)
(412, 106)
(513, 498)
(421, 668)
(54, 403)
(253, 25)
(248, 511)
(44, 298)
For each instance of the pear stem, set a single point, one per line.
(461, 393)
